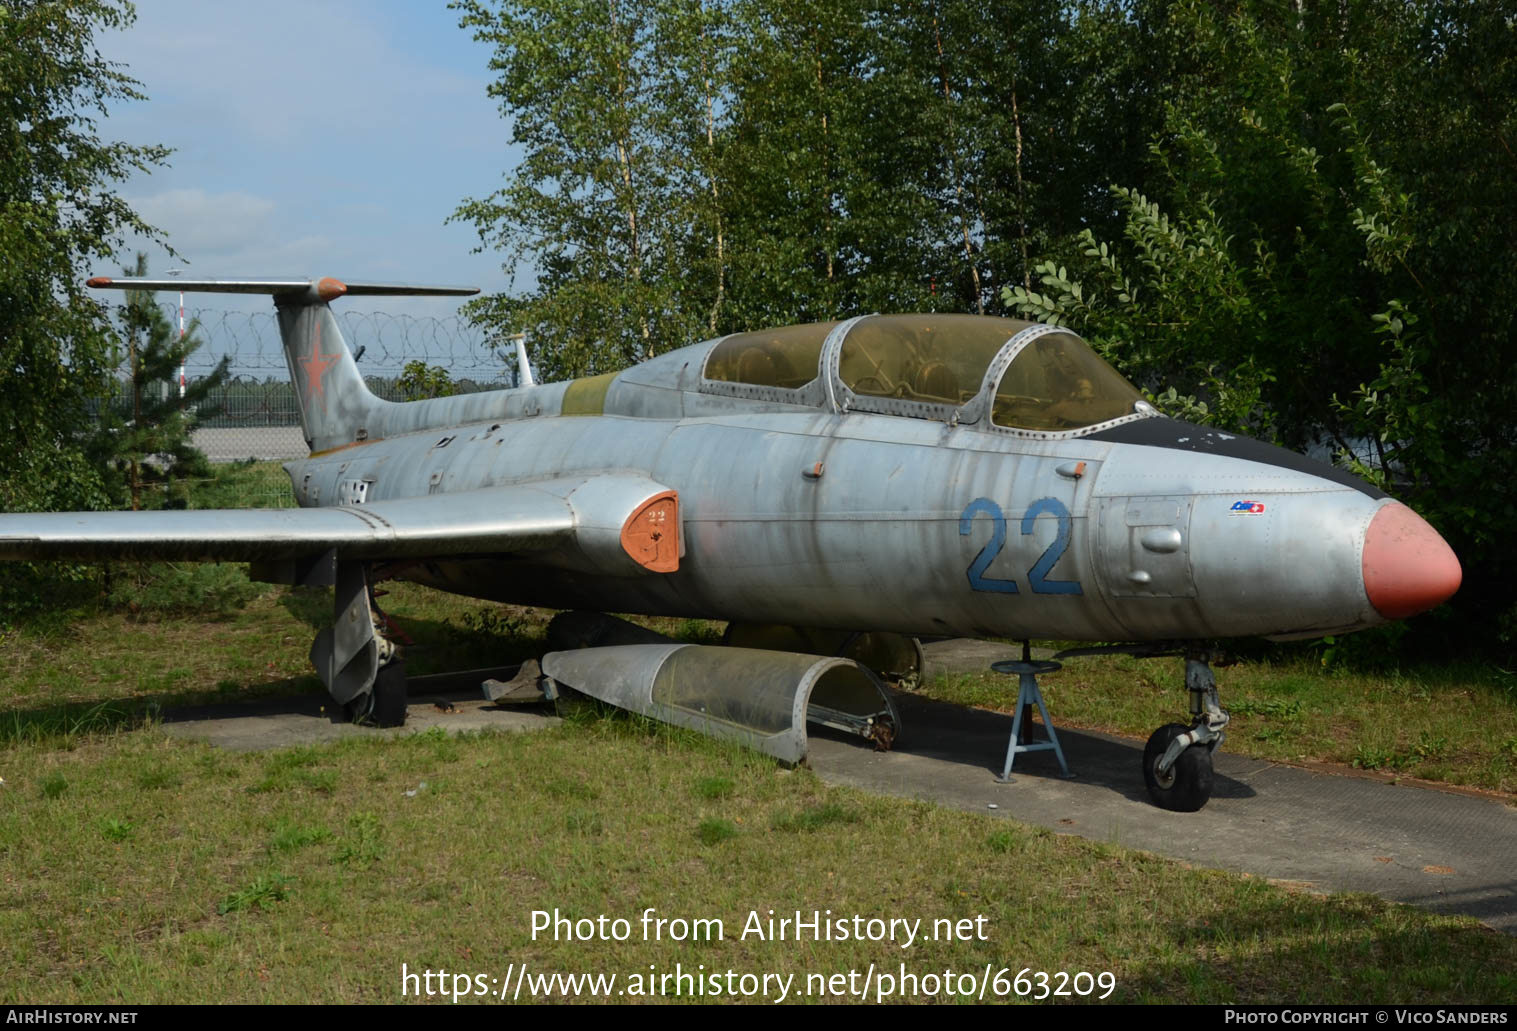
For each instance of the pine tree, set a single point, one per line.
(144, 438)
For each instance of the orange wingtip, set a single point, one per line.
(98, 281)
(651, 534)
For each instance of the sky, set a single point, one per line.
(313, 138)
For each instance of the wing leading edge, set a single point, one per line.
(616, 525)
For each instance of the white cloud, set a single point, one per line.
(200, 222)
(281, 70)
(312, 138)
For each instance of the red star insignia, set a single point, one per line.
(316, 367)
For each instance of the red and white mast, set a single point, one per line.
(175, 272)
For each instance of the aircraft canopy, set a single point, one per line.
(1056, 382)
(785, 357)
(932, 365)
(940, 359)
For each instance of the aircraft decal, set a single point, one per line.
(1037, 576)
(1247, 508)
(977, 579)
(1055, 551)
(316, 366)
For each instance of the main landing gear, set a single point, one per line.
(384, 704)
(355, 657)
(359, 664)
(1177, 761)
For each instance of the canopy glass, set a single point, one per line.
(1056, 382)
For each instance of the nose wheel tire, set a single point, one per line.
(1186, 785)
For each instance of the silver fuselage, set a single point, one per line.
(857, 520)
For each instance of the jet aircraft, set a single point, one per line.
(895, 476)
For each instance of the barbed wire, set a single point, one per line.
(387, 342)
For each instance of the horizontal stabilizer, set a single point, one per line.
(325, 289)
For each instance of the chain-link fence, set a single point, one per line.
(250, 423)
(383, 343)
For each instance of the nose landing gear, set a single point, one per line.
(1177, 761)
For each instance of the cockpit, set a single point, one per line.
(1022, 377)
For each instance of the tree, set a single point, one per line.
(604, 98)
(418, 380)
(144, 442)
(698, 167)
(1320, 248)
(59, 217)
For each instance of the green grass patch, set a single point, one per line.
(1002, 842)
(1449, 723)
(54, 785)
(586, 823)
(63, 725)
(205, 590)
(209, 892)
(156, 778)
(291, 837)
(714, 830)
(361, 846)
(713, 788)
(115, 830)
(264, 891)
(815, 818)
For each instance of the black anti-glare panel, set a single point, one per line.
(1184, 436)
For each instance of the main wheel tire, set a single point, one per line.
(390, 696)
(384, 704)
(1188, 784)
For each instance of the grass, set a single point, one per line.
(1454, 723)
(215, 891)
(713, 788)
(714, 830)
(265, 890)
(113, 670)
(292, 836)
(143, 869)
(247, 484)
(815, 818)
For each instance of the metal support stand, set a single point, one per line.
(1027, 672)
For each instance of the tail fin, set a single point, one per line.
(333, 400)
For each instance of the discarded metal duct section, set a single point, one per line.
(762, 699)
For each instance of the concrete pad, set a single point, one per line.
(313, 719)
(238, 443)
(962, 655)
(1448, 852)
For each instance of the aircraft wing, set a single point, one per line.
(612, 524)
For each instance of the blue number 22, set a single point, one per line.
(1037, 575)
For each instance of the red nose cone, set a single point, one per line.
(1408, 568)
